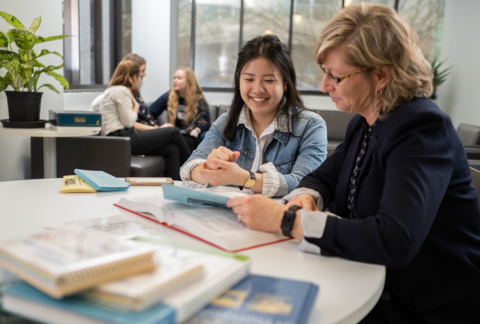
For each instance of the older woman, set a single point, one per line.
(400, 181)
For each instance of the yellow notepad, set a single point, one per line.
(63, 261)
(73, 183)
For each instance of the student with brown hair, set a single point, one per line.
(120, 110)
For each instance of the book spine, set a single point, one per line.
(72, 120)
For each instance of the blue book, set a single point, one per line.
(22, 299)
(260, 299)
(74, 118)
(102, 181)
(192, 196)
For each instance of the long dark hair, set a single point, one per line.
(271, 48)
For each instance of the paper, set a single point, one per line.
(192, 196)
(73, 183)
(121, 226)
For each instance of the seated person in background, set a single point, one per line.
(267, 142)
(144, 115)
(184, 102)
(119, 111)
(400, 180)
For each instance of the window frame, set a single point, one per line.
(71, 44)
(242, 9)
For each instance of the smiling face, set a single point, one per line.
(353, 94)
(261, 88)
(180, 82)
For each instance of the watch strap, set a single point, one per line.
(288, 220)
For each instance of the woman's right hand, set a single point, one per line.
(222, 154)
(167, 125)
(305, 201)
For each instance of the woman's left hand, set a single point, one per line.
(258, 212)
(227, 173)
(195, 132)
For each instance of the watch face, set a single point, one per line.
(250, 183)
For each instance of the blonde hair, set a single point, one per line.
(376, 35)
(193, 94)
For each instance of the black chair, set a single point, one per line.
(337, 122)
(106, 153)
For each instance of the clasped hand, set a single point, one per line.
(220, 168)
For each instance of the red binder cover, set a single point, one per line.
(199, 238)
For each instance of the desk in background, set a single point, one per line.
(348, 290)
(49, 144)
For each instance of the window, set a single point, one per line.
(210, 33)
(101, 31)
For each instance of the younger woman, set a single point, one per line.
(184, 102)
(119, 111)
(267, 142)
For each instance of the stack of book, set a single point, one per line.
(76, 275)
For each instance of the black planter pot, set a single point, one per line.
(24, 106)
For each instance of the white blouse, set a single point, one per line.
(117, 109)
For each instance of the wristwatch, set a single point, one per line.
(250, 183)
(288, 220)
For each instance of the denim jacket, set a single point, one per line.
(293, 157)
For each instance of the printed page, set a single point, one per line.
(121, 226)
(221, 227)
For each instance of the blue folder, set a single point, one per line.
(261, 299)
(158, 314)
(102, 181)
(187, 195)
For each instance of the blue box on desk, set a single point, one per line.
(74, 118)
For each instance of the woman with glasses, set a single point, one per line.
(267, 142)
(400, 182)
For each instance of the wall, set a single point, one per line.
(15, 150)
(458, 96)
(151, 40)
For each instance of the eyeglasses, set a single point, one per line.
(338, 80)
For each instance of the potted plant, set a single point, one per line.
(24, 69)
(439, 75)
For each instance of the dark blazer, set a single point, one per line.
(418, 214)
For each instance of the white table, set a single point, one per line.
(348, 290)
(49, 143)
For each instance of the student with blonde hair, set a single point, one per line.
(184, 102)
(120, 110)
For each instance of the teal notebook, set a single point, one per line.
(192, 196)
(22, 299)
(102, 181)
(260, 299)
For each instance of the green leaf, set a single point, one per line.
(49, 39)
(11, 20)
(8, 56)
(35, 24)
(3, 84)
(38, 64)
(11, 65)
(48, 86)
(24, 38)
(45, 52)
(52, 68)
(59, 78)
(3, 40)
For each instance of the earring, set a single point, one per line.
(376, 93)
